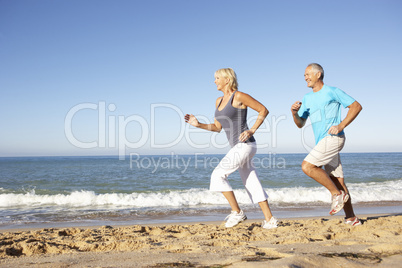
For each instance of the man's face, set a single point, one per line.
(311, 77)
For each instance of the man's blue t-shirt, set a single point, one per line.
(324, 109)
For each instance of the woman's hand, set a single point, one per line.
(245, 135)
(192, 120)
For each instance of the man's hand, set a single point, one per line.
(299, 121)
(354, 110)
(296, 107)
(335, 130)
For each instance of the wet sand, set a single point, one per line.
(302, 242)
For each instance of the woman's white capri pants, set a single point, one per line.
(239, 158)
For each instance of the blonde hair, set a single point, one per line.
(228, 73)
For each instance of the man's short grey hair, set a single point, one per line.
(317, 68)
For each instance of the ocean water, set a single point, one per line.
(83, 191)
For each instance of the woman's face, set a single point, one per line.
(220, 82)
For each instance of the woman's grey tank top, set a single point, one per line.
(233, 121)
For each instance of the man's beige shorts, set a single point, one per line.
(326, 154)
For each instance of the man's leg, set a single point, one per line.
(335, 172)
(319, 175)
(326, 153)
(340, 183)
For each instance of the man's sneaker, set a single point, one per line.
(235, 218)
(354, 222)
(338, 201)
(271, 224)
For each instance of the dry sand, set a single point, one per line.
(318, 242)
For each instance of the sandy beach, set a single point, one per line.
(303, 242)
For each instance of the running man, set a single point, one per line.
(323, 106)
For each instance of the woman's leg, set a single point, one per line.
(219, 177)
(232, 201)
(253, 185)
(265, 210)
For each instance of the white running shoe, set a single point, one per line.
(235, 218)
(338, 201)
(271, 224)
(354, 222)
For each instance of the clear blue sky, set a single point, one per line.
(118, 73)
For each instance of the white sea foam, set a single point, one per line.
(361, 192)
